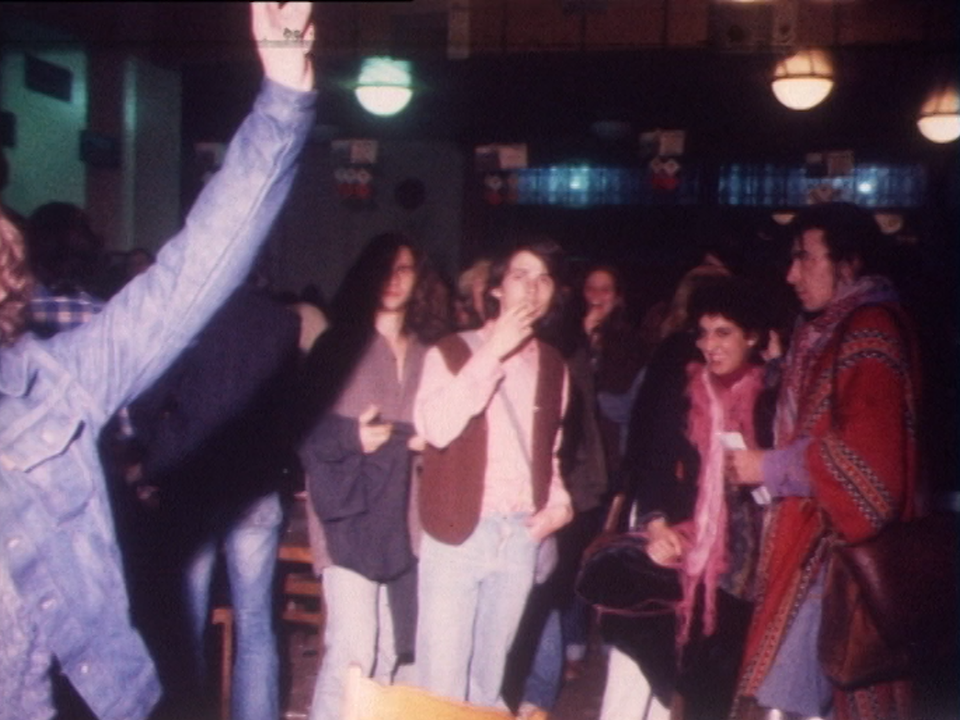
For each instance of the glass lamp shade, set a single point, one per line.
(940, 116)
(383, 100)
(383, 87)
(803, 80)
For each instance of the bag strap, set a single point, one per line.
(647, 608)
(473, 342)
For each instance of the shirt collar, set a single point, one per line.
(14, 375)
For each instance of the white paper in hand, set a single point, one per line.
(734, 441)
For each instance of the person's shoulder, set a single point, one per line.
(550, 351)
(879, 331)
(887, 318)
(454, 348)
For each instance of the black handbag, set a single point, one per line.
(617, 576)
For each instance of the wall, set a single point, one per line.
(113, 94)
(153, 94)
(45, 162)
(318, 236)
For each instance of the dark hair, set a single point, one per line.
(610, 270)
(551, 255)
(613, 325)
(335, 355)
(63, 248)
(735, 299)
(850, 233)
(358, 298)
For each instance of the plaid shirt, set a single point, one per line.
(48, 314)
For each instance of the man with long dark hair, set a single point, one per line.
(844, 465)
(357, 454)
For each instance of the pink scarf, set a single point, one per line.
(714, 408)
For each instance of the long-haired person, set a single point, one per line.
(844, 464)
(490, 407)
(360, 382)
(62, 591)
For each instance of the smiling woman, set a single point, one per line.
(696, 521)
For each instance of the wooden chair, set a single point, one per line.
(223, 616)
(366, 699)
(302, 603)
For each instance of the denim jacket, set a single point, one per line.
(61, 584)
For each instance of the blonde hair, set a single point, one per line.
(679, 310)
(476, 273)
(16, 281)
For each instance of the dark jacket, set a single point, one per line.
(213, 429)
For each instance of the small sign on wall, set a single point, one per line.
(500, 156)
(8, 129)
(47, 78)
(355, 164)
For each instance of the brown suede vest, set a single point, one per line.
(451, 490)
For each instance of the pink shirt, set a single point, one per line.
(445, 403)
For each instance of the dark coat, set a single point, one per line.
(213, 427)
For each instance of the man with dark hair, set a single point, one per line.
(62, 593)
(844, 464)
(357, 457)
(490, 407)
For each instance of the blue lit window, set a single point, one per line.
(584, 185)
(869, 185)
(578, 186)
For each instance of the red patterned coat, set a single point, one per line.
(857, 401)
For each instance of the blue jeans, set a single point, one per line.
(471, 598)
(358, 631)
(250, 550)
(543, 682)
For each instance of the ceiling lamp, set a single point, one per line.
(383, 87)
(803, 80)
(940, 116)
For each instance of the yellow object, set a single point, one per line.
(366, 699)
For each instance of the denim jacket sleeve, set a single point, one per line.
(61, 576)
(122, 350)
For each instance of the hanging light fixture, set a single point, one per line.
(940, 115)
(804, 79)
(384, 85)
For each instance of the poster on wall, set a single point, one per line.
(354, 172)
(664, 151)
(498, 165)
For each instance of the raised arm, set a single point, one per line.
(285, 35)
(154, 317)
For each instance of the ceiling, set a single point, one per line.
(186, 32)
(549, 68)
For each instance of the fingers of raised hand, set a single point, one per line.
(290, 21)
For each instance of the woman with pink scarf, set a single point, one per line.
(696, 521)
